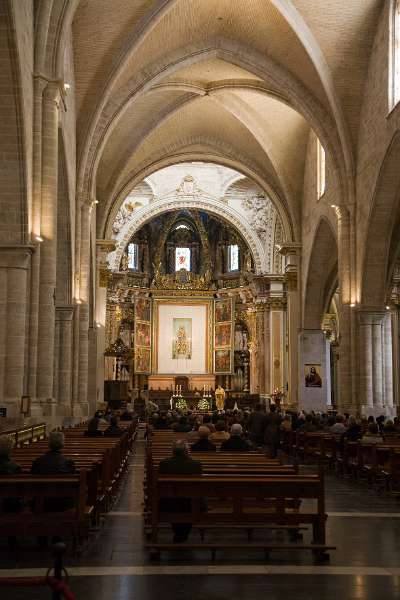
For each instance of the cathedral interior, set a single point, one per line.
(200, 204)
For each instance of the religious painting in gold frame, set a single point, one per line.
(184, 301)
(142, 360)
(143, 335)
(223, 361)
(223, 336)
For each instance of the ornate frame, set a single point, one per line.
(182, 301)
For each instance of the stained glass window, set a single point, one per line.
(233, 257)
(394, 62)
(182, 259)
(321, 169)
(132, 256)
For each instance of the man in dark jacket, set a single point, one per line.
(179, 464)
(204, 444)
(7, 465)
(256, 426)
(235, 442)
(93, 428)
(53, 461)
(272, 431)
(113, 430)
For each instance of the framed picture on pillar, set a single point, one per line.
(25, 406)
(312, 376)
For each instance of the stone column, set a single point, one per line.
(103, 247)
(291, 252)
(14, 266)
(81, 408)
(48, 251)
(348, 365)
(365, 350)
(388, 362)
(377, 360)
(39, 85)
(261, 356)
(395, 314)
(277, 345)
(64, 315)
(375, 378)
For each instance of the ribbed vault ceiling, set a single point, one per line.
(138, 101)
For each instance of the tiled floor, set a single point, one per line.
(364, 526)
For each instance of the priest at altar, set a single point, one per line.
(220, 398)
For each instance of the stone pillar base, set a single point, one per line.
(80, 409)
(376, 411)
(63, 410)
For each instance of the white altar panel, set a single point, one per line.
(166, 314)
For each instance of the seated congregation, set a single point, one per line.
(222, 481)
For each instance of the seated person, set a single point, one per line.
(221, 434)
(235, 442)
(204, 444)
(182, 425)
(126, 415)
(7, 465)
(161, 422)
(354, 430)
(339, 426)
(53, 461)
(179, 464)
(308, 425)
(113, 430)
(372, 436)
(208, 423)
(389, 427)
(93, 428)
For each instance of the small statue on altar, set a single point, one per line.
(220, 398)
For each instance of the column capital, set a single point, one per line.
(371, 317)
(289, 248)
(52, 92)
(15, 256)
(64, 313)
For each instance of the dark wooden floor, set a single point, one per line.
(363, 525)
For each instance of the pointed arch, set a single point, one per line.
(383, 227)
(321, 275)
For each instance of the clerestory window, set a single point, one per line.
(321, 174)
(394, 55)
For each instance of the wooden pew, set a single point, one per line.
(248, 501)
(33, 519)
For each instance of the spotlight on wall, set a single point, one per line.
(352, 305)
(39, 238)
(98, 325)
(78, 301)
(333, 206)
(95, 201)
(67, 87)
(387, 307)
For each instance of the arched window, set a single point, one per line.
(133, 256)
(321, 175)
(233, 257)
(394, 55)
(182, 259)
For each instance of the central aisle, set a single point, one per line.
(116, 567)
